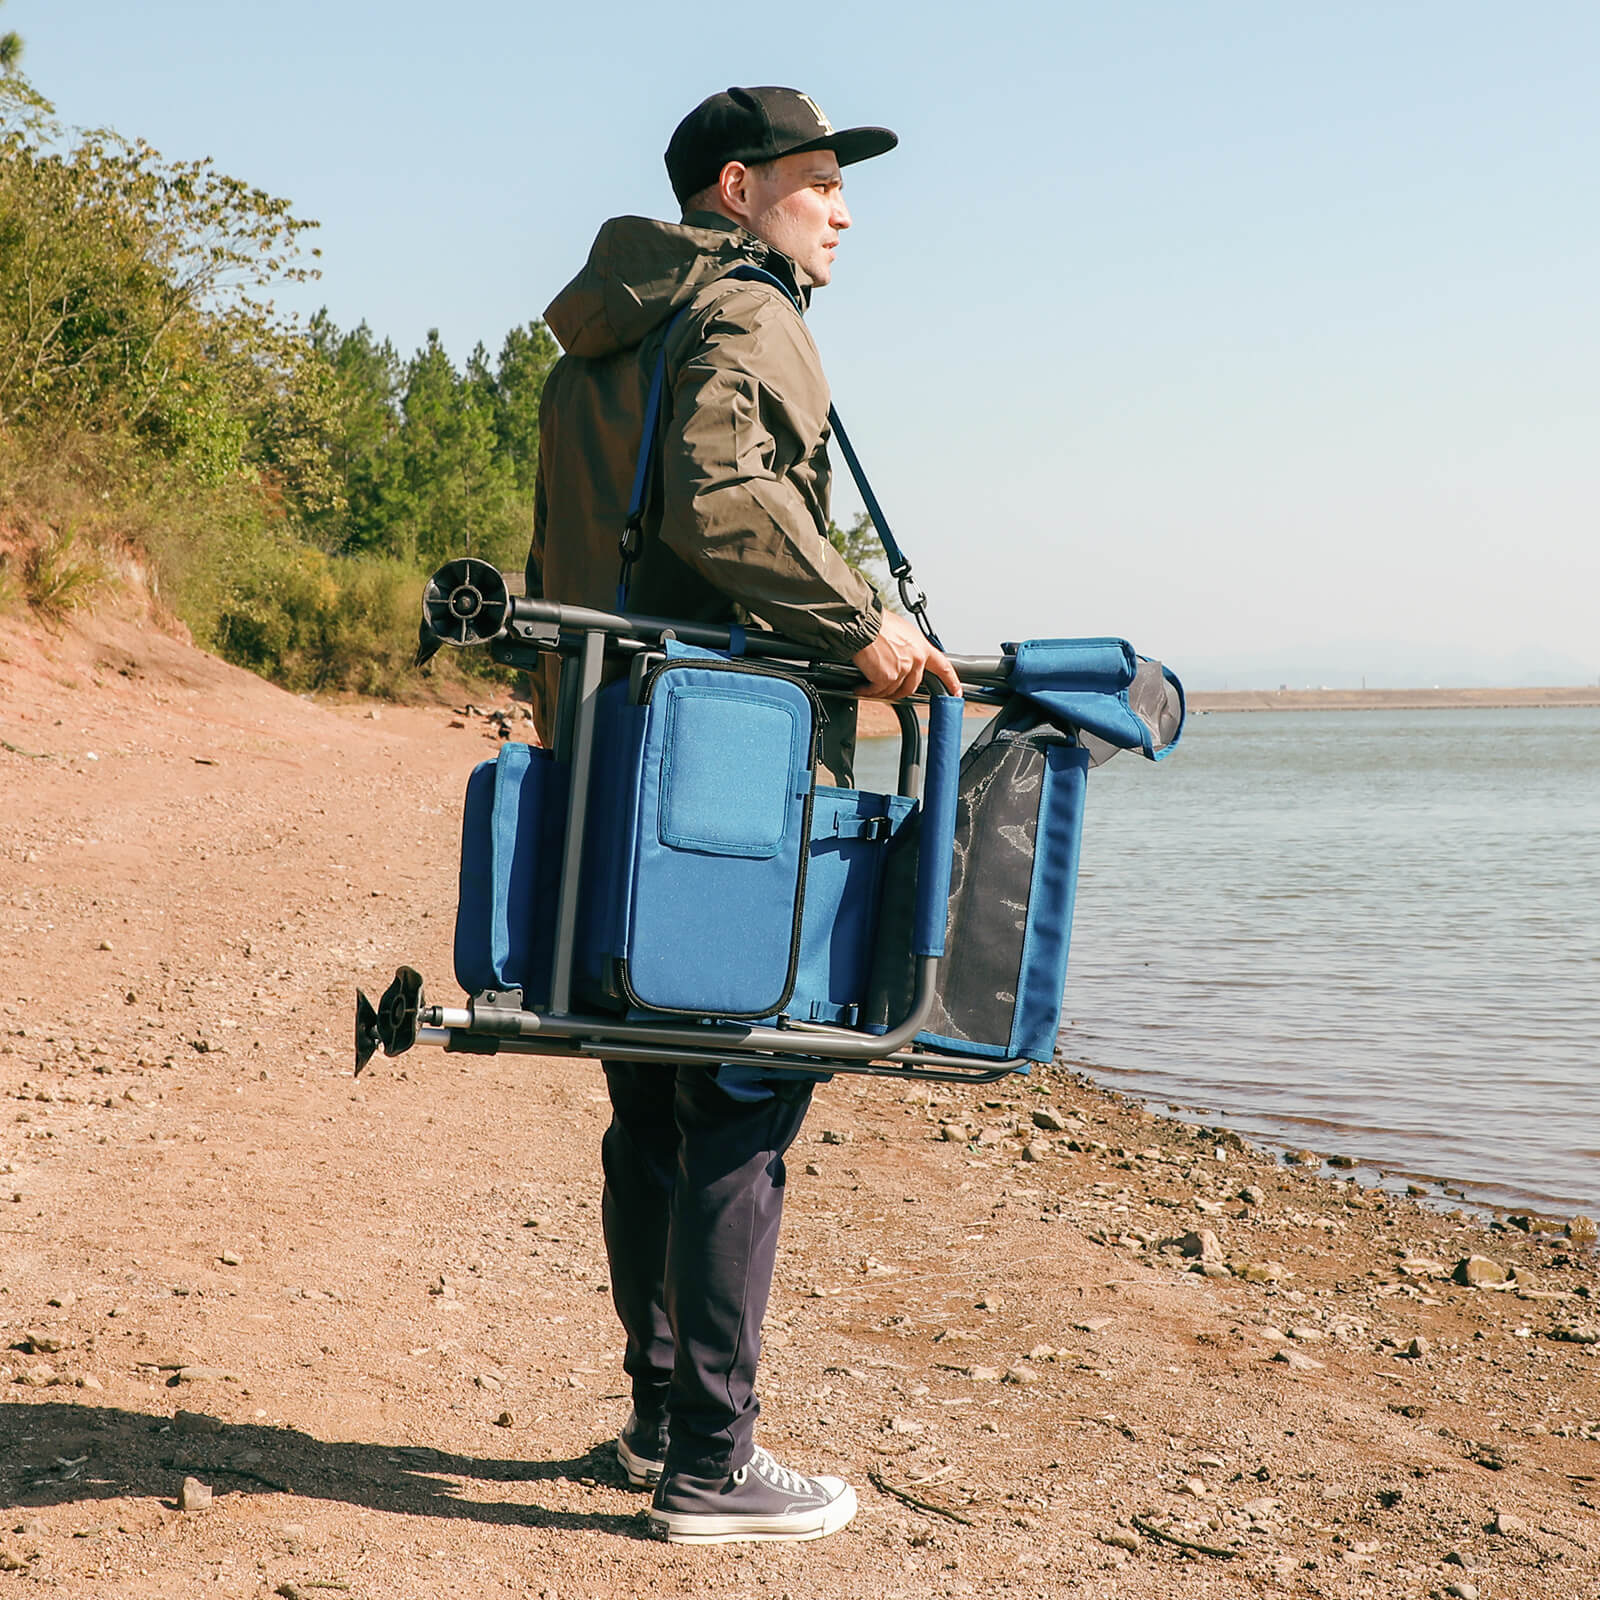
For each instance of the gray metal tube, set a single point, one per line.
(718, 1039)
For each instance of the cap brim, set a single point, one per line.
(851, 144)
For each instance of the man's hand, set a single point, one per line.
(893, 664)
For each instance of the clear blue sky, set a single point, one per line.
(1265, 335)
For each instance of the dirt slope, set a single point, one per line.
(372, 1318)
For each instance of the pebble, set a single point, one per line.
(1020, 1375)
(1475, 1271)
(904, 1425)
(43, 1344)
(10, 1562)
(835, 1136)
(1461, 1589)
(1576, 1333)
(1093, 1324)
(63, 1300)
(1296, 1361)
(983, 1374)
(195, 1422)
(1051, 1120)
(1263, 1272)
(505, 1420)
(954, 1132)
(1035, 1150)
(229, 1259)
(1343, 1163)
(1201, 1244)
(1507, 1523)
(204, 1375)
(89, 1381)
(1418, 1350)
(1303, 1334)
(1582, 1230)
(1120, 1538)
(813, 1170)
(1253, 1195)
(1042, 1352)
(194, 1496)
(988, 1302)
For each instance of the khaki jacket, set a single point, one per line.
(736, 527)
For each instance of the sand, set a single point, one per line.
(371, 1317)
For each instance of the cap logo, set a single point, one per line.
(816, 111)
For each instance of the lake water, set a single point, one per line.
(1370, 933)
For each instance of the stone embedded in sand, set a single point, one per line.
(1343, 1163)
(1051, 1120)
(1576, 1333)
(1253, 1195)
(229, 1258)
(1581, 1229)
(954, 1132)
(43, 1344)
(1476, 1271)
(1035, 1150)
(1020, 1375)
(835, 1136)
(505, 1420)
(1201, 1244)
(1297, 1362)
(204, 1375)
(194, 1495)
(1042, 1352)
(1421, 1267)
(1120, 1539)
(195, 1422)
(1461, 1589)
(1418, 1350)
(1263, 1272)
(1507, 1523)
(1303, 1333)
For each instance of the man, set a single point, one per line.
(735, 530)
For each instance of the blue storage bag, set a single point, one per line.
(851, 831)
(696, 849)
(512, 826)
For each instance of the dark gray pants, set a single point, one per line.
(694, 1181)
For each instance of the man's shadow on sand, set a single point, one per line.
(56, 1453)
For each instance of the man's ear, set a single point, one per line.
(733, 190)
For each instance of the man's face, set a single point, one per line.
(796, 204)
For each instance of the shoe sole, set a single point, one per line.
(694, 1527)
(643, 1473)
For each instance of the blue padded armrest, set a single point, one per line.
(938, 833)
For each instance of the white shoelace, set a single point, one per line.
(780, 1476)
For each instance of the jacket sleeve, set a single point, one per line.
(744, 476)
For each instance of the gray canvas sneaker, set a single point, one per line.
(640, 1448)
(760, 1500)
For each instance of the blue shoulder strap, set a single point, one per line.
(914, 600)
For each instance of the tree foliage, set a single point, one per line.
(312, 467)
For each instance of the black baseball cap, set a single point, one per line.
(753, 125)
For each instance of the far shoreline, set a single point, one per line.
(1392, 699)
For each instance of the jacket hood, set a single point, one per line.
(640, 271)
